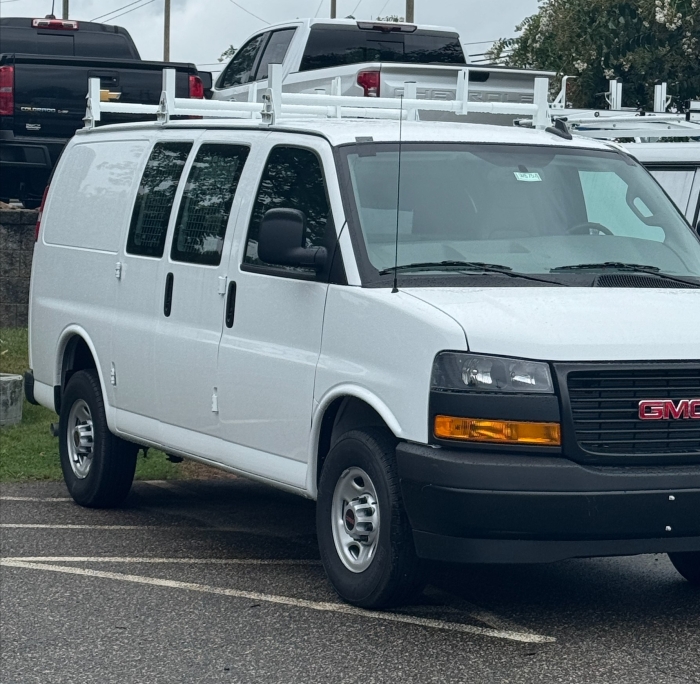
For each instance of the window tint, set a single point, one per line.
(292, 179)
(206, 203)
(330, 47)
(54, 44)
(240, 69)
(103, 44)
(154, 201)
(275, 51)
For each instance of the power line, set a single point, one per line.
(132, 10)
(320, 4)
(249, 12)
(357, 6)
(114, 11)
(383, 8)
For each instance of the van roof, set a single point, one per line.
(348, 131)
(665, 152)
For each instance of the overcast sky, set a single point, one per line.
(202, 29)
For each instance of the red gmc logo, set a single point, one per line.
(665, 409)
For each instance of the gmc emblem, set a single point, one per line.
(665, 409)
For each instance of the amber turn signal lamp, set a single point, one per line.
(497, 431)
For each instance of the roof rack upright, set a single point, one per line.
(278, 105)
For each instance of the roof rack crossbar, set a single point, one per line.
(278, 104)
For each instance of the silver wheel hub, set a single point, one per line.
(355, 519)
(80, 439)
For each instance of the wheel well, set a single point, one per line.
(344, 414)
(76, 357)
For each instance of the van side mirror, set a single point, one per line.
(281, 241)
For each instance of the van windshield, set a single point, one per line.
(525, 209)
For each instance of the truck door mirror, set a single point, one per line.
(281, 241)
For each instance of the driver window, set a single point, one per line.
(604, 194)
(240, 69)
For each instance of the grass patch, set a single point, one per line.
(29, 452)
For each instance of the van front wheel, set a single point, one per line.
(364, 536)
(97, 466)
(688, 564)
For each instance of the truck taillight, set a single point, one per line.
(196, 88)
(369, 81)
(7, 91)
(41, 213)
(60, 24)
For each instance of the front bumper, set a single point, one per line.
(480, 507)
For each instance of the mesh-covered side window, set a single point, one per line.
(292, 179)
(154, 201)
(206, 203)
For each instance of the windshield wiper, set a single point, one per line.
(615, 265)
(476, 266)
(622, 266)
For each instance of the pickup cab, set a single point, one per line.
(45, 65)
(371, 59)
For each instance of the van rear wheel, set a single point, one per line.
(364, 536)
(688, 564)
(97, 466)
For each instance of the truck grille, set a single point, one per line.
(605, 410)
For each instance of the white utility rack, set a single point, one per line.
(278, 105)
(617, 122)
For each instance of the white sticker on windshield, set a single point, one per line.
(528, 177)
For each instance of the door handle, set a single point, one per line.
(230, 304)
(168, 301)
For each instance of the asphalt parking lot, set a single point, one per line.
(219, 581)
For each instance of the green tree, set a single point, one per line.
(229, 52)
(641, 42)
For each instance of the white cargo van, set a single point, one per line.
(467, 343)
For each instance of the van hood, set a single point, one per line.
(574, 324)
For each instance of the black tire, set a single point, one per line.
(395, 574)
(111, 472)
(688, 564)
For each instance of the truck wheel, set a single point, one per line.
(688, 564)
(364, 536)
(97, 466)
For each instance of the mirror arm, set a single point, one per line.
(315, 257)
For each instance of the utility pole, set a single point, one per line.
(166, 31)
(65, 9)
(334, 8)
(410, 11)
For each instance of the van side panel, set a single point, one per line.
(73, 274)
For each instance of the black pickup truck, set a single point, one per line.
(45, 65)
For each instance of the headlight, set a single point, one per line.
(465, 372)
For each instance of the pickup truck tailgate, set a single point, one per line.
(50, 98)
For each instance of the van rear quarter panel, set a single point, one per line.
(73, 274)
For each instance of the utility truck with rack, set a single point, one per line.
(368, 59)
(467, 343)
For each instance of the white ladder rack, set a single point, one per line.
(278, 105)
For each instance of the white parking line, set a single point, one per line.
(137, 559)
(324, 606)
(36, 498)
(180, 528)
